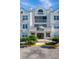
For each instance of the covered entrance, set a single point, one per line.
(40, 35)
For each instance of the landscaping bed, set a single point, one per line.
(32, 41)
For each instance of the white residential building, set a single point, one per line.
(40, 22)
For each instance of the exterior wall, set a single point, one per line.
(56, 23)
(31, 21)
(24, 31)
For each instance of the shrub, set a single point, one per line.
(56, 39)
(28, 40)
(23, 40)
(31, 40)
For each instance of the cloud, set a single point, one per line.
(25, 4)
(38, 3)
(46, 3)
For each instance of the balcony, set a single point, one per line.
(35, 29)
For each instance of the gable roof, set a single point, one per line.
(56, 11)
(22, 9)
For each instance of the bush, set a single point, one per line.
(23, 40)
(31, 40)
(28, 40)
(56, 39)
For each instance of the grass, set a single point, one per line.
(44, 45)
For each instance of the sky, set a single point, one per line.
(39, 3)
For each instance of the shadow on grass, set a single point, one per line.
(47, 47)
(50, 45)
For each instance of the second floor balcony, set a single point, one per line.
(34, 29)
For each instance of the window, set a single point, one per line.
(44, 17)
(40, 19)
(25, 17)
(44, 25)
(40, 11)
(40, 29)
(24, 26)
(47, 34)
(21, 12)
(37, 25)
(56, 34)
(24, 35)
(56, 27)
(56, 17)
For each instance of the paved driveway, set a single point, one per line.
(39, 53)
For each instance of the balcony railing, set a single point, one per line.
(38, 29)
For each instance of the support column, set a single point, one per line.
(35, 34)
(44, 35)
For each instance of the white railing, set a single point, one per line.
(35, 29)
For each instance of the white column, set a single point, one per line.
(31, 17)
(44, 35)
(35, 34)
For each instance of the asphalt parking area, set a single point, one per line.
(38, 53)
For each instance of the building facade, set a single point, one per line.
(39, 22)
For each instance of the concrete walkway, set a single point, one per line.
(42, 41)
(39, 53)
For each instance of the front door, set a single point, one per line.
(40, 35)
